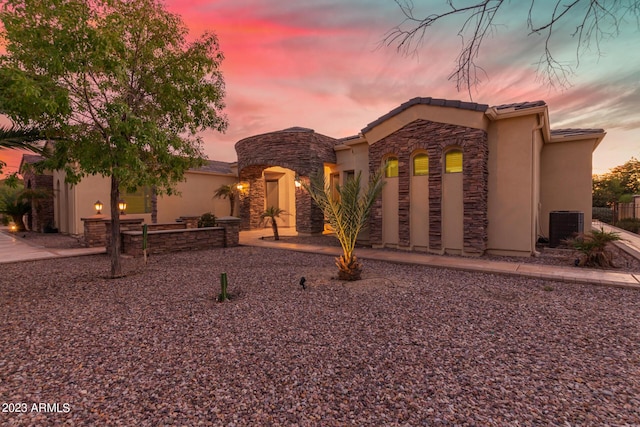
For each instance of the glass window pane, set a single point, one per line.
(391, 167)
(421, 164)
(453, 161)
(138, 202)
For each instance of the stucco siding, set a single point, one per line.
(512, 150)
(566, 180)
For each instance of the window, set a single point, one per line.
(347, 176)
(391, 167)
(138, 202)
(453, 161)
(420, 164)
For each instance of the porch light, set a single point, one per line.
(239, 186)
(98, 206)
(297, 182)
(122, 205)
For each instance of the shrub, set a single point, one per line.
(629, 224)
(207, 220)
(593, 248)
(602, 214)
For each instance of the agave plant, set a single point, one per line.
(347, 211)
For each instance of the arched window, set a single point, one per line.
(391, 167)
(420, 164)
(453, 161)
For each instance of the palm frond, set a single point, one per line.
(16, 138)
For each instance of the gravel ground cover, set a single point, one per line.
(560, 256)
(406, 346)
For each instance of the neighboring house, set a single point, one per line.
(461, 177)
(195, 197)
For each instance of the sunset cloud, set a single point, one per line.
(320, 64)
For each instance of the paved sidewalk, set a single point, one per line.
(13, 249)
(565, 274)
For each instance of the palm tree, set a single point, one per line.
(230, 192)
(16, 202)
(19, 139)
(271, 214)
(348, 214)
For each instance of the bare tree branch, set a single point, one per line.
(597, 20)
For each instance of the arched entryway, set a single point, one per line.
(266, 164)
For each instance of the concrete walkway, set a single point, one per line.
(14, 249)
(565, 274)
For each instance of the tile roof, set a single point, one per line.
(521, 105)
(574, 132)
(215, 166)
(297, 129)
(473, 106)
(31, 158)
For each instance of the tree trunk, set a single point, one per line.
(274, 225)
(116, 267)
(232, 202)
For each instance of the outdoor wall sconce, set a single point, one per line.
(239, 186)
(98, 206)
(297, 182)
(122, 205)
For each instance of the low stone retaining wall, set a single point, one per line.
(164, 237)
(163, 241)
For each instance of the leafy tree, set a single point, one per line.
(589, 22)
(270, 215)
(227, 192)
(621, 180)
(347, 211)
(118, 83)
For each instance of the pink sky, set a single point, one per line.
(319, 64)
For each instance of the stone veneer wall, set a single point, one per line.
(41, 215)
(436, 139)
(163, 241)
(299, 149)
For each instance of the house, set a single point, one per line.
(461, 177)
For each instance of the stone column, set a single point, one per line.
(95, 231)
(231, 226)
(190, 221)
(309, 217)
(126, 224)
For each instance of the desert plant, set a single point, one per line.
(629, 224)
(602, 214)
(15, 206)
(347, 211)
(593, 247)
(224, 296)
(228, 192)
(270, 215)
(207, 220)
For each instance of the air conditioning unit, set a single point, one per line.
(563, 225)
